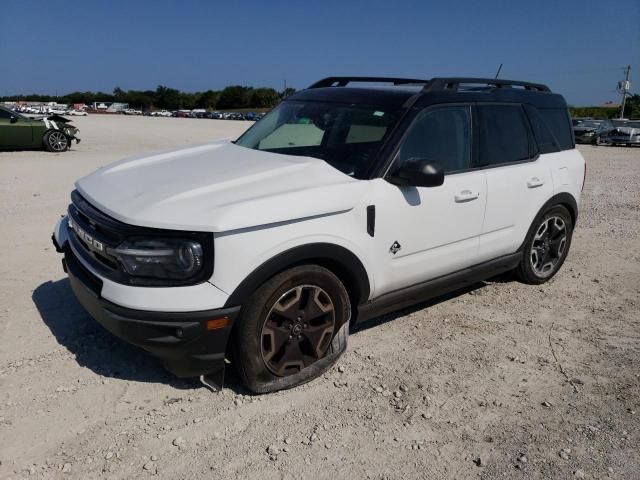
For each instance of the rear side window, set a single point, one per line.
(503, 135)
(558, 121)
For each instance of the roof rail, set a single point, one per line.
(343, 81)
(453, 83)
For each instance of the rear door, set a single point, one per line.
(518, 182)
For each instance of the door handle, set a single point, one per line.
(466, 196)
(535, 182)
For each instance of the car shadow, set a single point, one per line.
(106, 355)
(389, 317)
(94, 347)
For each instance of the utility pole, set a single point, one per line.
(624, 87)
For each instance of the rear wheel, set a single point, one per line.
(56, 141)
(292, 330)
(546, 246)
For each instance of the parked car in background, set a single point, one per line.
(594, 132)
(55, 133)
(132, 111)
(77, 113)
(625, 133)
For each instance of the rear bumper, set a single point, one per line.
(181, 340)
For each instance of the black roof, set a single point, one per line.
(400, 92)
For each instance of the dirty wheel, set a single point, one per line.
(292, 330)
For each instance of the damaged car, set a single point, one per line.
(53, 132)
(593, 132)
(625, 133)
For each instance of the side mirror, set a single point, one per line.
(417, 172)
(13, 119)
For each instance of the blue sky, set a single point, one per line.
(576, 47)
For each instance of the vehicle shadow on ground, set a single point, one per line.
(389, 317)
(103, 353)
(93, 346)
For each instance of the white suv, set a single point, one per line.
(343, 203)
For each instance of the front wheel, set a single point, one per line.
(56, 141)
(546, 246)
(292, 330)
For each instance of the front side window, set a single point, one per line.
(503, 135)
(345, 136)
(441, 136)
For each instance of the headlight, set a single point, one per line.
(588, 134)
(160, 258)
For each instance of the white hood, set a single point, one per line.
(218, 187)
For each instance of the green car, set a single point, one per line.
(55, 133)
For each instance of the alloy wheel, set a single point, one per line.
(548, 246)
(58, 141)
(298, 330)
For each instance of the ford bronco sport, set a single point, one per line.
(352, 198)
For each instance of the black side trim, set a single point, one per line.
(336, 258)
(421, 292)
(371, 220)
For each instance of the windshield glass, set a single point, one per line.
(345, 136)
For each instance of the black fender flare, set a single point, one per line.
(566, 200)
(341, 261)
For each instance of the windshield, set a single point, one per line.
(345, 136)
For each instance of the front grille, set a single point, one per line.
(94, 229)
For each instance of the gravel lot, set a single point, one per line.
(500, 381)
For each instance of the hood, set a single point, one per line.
(218, 187)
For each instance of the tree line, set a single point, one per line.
(631, 110)
(233, 97)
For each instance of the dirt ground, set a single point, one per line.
(499, 381)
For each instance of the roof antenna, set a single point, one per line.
(498, 72)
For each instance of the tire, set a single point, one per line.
(56, 141)
(542, 254)
(267, 359)
(597, 141)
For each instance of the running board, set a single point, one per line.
(422, 292)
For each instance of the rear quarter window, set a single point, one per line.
(559, 123)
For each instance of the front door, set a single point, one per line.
(16, 133)
(423, 233)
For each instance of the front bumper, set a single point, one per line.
(625, 140)
(184, 341)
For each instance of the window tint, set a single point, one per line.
(443, 136)
(503, 135)
(545, 139)
(557, 119)
(347, 137)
